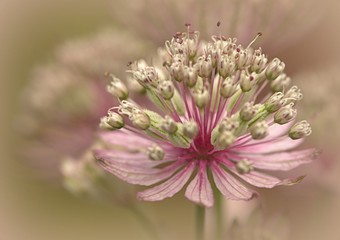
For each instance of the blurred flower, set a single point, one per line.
(282, 22)
(213, 116)
(260, 226)
(65, 99)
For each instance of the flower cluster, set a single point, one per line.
(224, 114)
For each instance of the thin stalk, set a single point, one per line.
(200, 219)
(219, 221)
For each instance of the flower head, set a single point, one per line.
(223, 123)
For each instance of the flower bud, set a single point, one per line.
(259, 62)
(229, 124)
(223, 140)
(293, 95)
(285, 114)
(228, 88)
(177, 71)
(300, 130)
(244, 166)
(169, 125)
(280, 83)
(201, 97)
(166, 89)
(247, 82)
(117, 88)
(248, 111)
(155, 153)
(140, 120)
(111, 122)
(190, 129)
(274, 69)
(259, 130)
(190, 75)
(227, 66)
(204, 66)
(275, 102)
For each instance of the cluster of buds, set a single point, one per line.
(207, 90)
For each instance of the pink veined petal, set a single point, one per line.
(280, 161)
(199, 190)
(136, 158)
(170, 187)
(258, 179)
(274, 131)
(277, 145)
(125, 139)
(138, 174)
(230, 187)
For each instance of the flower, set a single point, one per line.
(243, 18)
(213, 118)
(65, 98)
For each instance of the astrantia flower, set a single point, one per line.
(215, 124)
(65, 98)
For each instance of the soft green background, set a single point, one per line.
(33, 209)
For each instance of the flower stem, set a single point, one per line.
(218, 216)
(200, 217)
(144, 221)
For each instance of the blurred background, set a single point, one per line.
(36, 206)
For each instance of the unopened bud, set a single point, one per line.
(300, 130)
(190, 76)
(247, 81)
(229, 124)
(275, 102)
(248, 111)
(156, 153)
(190, 129)
(201, 97)
(177, 71)
(285, 114)
(227, 66)
(259, 62)
(205, 66)
(293, 95)
(228, 88)
(244, 166)
(223, 140)
(259, 130)
(274, 69)
(169, 125)
(280, 83)
(166, 89)
(140, 120)
(112, 122)
(117, 88)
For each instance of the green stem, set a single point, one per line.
(144, 221)
(200, 217)
(219, 216)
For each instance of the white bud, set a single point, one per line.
(201, 97)
(177, 71)
(275, 102)
(259, 62)
(190, 129)
(229, 124)
(190, 75)
(223, 140)
(204, 66)
(166, 89)
(111, 122)
(227, 66)
(228, 88)
(169, 125)
(274, 69)
(300, 130)
(280, 83)
(247, 81)
(156, 153)
(285, 114)
(248, 111)
(293, 95)
(140, 120)
(117, 88)
(244, 166)
(259, 130)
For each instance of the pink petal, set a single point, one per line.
(269, 146)
(281, 161)
(229, 186)
(135, 173)
(199, 190)
(125, 139)
(170, 187)
(259, 179)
